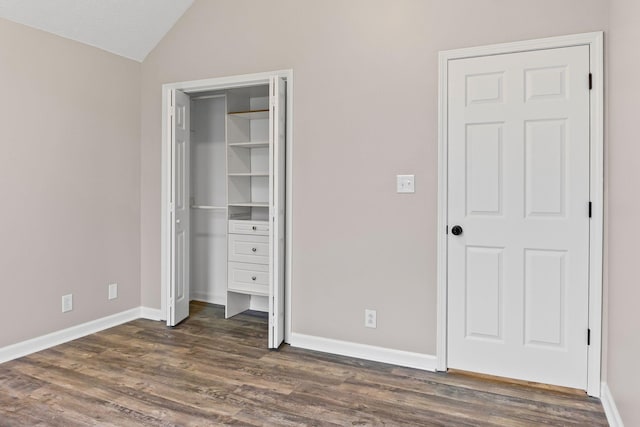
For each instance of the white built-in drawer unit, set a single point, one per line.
(248, 278)
(249, 248)
(249, 227)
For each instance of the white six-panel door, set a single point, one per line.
(180, 147)
(518, 176)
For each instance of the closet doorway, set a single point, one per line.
(225, 197)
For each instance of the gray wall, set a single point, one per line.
(365, 110)
(623, 369)
(74, 174)
(70, 187)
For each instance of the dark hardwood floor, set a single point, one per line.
(212, 371)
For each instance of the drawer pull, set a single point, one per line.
(253, 249)
(253, 277)
(254, 228)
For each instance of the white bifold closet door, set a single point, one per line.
(179, 212)
(277, 136)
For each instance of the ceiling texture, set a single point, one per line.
(129, 28)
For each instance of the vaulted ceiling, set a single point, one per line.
(130, 28)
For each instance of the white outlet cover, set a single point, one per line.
(67, 303)
(406, 183)
(113, 291)
(370, 318)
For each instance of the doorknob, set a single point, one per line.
(177, 221)
(456, 230)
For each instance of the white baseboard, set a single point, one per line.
(610, 408)
(258, 303)
(344, 348)
(43, 342)
(362, 351)
(151, 313)
(208, 298)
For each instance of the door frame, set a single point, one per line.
(594, 41)
(219, 83)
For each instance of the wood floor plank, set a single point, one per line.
(501, 388)
(205, 393)
(367, 404)
(210, 371)
(114, 399)
(517, 408)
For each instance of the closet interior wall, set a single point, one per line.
(229, 182)
(208, 252)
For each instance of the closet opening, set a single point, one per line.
(226, 224)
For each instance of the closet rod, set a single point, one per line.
(195, 98)
(208, 207)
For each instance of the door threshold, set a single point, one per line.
(532, 384)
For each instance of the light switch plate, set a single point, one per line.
(406, 183)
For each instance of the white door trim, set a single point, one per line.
(215, 84)
(595, 42)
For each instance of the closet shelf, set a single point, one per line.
(250, 204)
(256, 174)
(251, 114)
(208, 207)
(251, 144)
(249, 292)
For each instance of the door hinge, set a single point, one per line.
(446, 229)
(274, 101)
(172, 111)
(590, 81)
(589, 209)
(588, 336)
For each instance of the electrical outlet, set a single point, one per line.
(370, 318)
(113, 290)
(67, 303)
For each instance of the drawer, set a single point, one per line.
(248, 278)
(248, 248)
(260, 228)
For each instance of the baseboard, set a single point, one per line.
(258, 303)
(344, 348)
(208, 298)
(362, 351)
(610, 408)
(43, 342)
(151, 313)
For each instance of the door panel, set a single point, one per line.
(545, 165)
(483, 295)
(484, 169)
(545, 287)
(180, 148)
(277, 92)
(518, 165)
